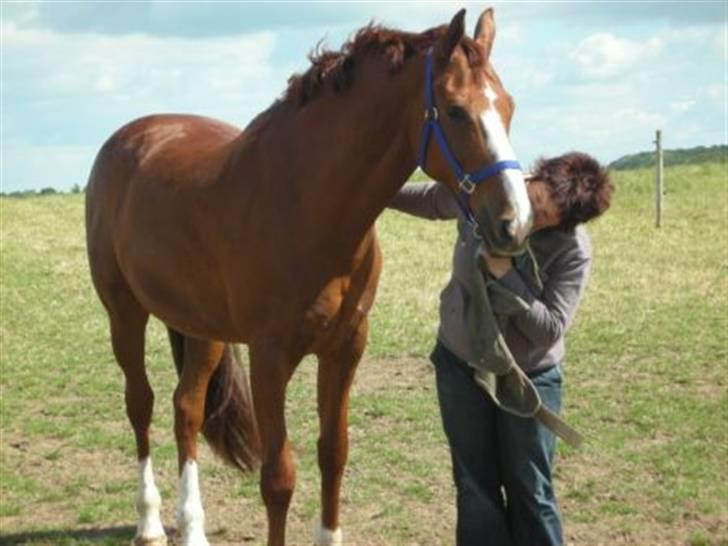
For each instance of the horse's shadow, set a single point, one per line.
(122, 535)
(107, 535)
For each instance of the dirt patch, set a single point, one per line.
(55, 489)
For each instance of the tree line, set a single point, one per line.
(699, 154)
(641, 160)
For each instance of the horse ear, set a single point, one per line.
(485, 31)
(452, 38)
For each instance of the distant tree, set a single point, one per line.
(48, 191)
(23, 193)
(696, 155)
(75, 188)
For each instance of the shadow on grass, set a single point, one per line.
(122, 535)
(108, 535)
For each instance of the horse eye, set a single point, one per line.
(457, 113)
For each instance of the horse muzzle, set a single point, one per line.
(505, 235)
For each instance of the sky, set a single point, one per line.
(594, 76)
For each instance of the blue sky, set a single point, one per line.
(595, 76)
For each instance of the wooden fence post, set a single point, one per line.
(659, 189)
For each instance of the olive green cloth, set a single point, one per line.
(495, 368)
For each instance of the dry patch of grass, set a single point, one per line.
(85, 496)
(645, 380)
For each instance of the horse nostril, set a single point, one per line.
(508, 230)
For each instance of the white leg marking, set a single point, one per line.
(500, 147)
(326, 537)
(190, 516)
(148, 504)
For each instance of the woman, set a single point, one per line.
(502, 464)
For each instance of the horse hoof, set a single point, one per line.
(326, 537)
(193, 539)
(154, 541)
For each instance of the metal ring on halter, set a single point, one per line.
(431, 114)
(466, 185)
(476, 233)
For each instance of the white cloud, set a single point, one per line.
(185, 18)
(510, 35)
(720, 43)
(523, 72)
(147, 69)
(32, 166)
(63, 94)
(605, 92)
(604, 55)
(682, 106)
(603, 132)
(72, 74)
(716, 91)
(13, 34)
(599, 127)
(635, 118)
(21, 13)
(717, 94)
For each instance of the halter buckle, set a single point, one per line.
(476, 233)
(431, 114)
(466, 185)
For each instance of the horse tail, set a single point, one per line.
(230, 426)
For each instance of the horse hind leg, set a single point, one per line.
(199, 358)
(213, 396)
(335, 376)
(128, 324)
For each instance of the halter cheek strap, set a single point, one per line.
(467, 182)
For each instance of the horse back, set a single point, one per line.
(197, 245)
(156, 198)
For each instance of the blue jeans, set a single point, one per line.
(501, 462)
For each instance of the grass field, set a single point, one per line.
(645, 381)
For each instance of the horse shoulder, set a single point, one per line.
(341, 307)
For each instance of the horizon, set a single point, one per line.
(599, 77)
(80, 188)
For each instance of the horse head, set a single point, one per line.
(469, 113)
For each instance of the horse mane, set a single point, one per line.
(337, 68)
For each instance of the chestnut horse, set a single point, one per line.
(266, 237)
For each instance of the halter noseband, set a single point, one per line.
(467, 182)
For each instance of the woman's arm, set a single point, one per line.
(550, 314)
(430, 200)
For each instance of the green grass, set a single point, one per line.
(645, 381)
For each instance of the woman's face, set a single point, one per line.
(545, 211)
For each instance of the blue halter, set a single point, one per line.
(467, 182)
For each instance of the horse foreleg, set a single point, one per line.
(335, 375)
(200, 360)
(270, 371)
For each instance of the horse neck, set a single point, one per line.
(346, 154)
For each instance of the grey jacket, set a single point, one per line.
(535, 336)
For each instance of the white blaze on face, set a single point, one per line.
(501, 150)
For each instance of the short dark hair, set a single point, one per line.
(578, 184)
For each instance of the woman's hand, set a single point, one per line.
(497, 266)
